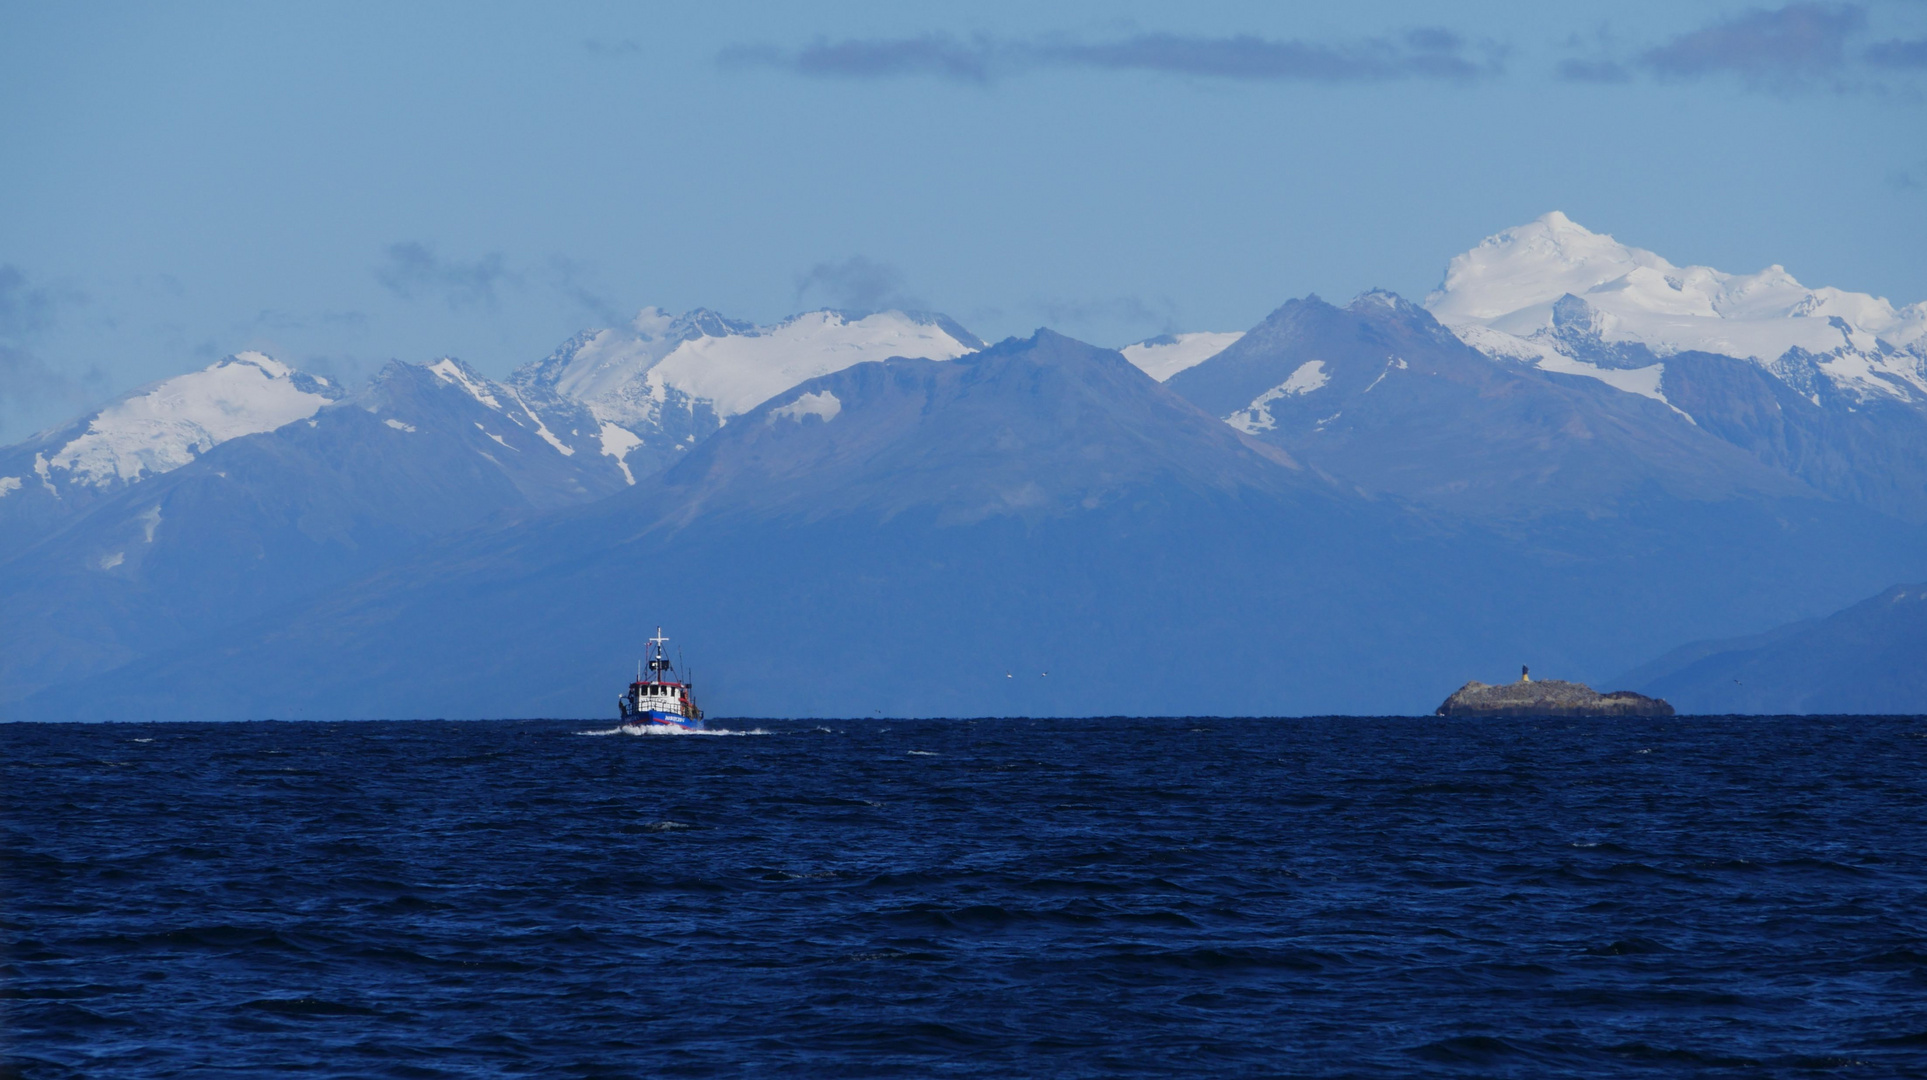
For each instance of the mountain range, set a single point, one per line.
(1573, 454)
(1864, 659)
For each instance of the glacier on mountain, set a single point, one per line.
(1553, 288)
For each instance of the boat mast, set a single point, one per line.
(657, 662)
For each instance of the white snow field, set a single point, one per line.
(165, 426)
(1256, 417)
(1163, 357)
(1499, 298)
(625, 374)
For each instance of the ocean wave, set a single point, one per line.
(1347, 897)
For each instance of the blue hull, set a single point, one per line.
(650, 716)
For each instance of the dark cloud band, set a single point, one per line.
(1773, 48)
(1899, 54)
(1423, 53)
(1797, 46)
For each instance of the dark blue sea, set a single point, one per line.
(1738, 897)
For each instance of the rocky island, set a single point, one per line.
(1548, 697)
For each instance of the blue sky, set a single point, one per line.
(344, 184)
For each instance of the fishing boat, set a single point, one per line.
(659, 697)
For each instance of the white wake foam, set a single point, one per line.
(668, 729)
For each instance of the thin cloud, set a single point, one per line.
(1421, 53)
(343, 369)
(413, 271)
(1125, 310)
(977, 60)
(1599, 57)
(29, 386)
(26, 307)
(26, 380)
(856, 284)
(570, 278)
(1425, 53)
(1899, 54)
(1594, 71)
(1783, 48)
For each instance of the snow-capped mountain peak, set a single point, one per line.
(1541, 288)
(741, 371)
(164, 426)
(597, 364)
(1165, 356)
(625, 374)
(660, 384)
(453, 371)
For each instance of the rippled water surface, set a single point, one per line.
(1357, 897)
